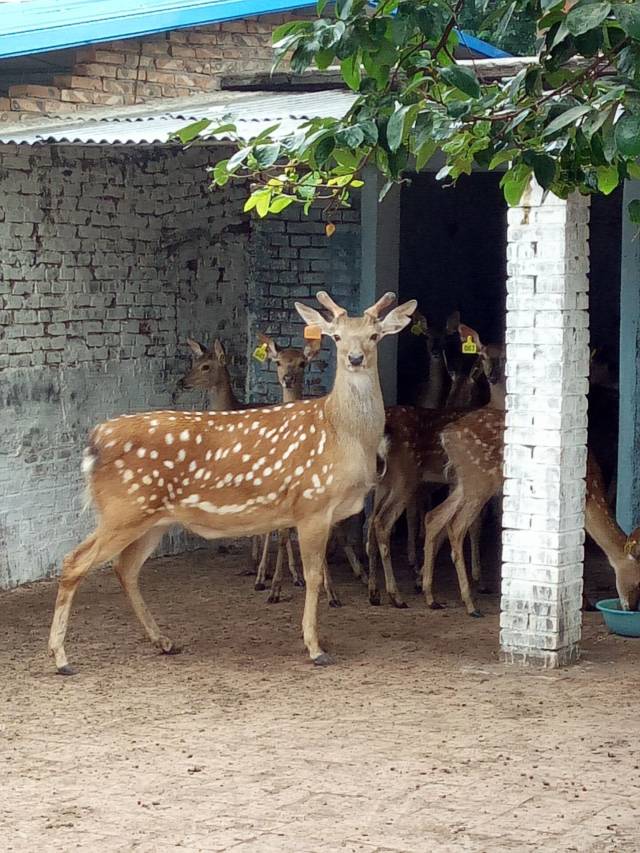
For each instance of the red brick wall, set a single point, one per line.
(168, 65)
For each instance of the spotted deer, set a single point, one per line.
(306, 465)
(416, 457)
(474, 445)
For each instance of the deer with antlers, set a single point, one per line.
(474, 446)
(306, 465)
(416, 457)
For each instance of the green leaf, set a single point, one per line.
(266, 155)
(323, 150)
(250, 203)
(544, 169)
(514, 183)
(634, 211)
(503, 157)
(279, 203)
(350, 70)
(345, 158)
(608, 179)
(351, 137)
(220, 174)
(627, 135)
(343, 8)
(586, 16)
(263, 200)
(634, 170)
(424, 153)
(462, 79)
(628, 16)
(238, 158)
(320, 6)
(570, 116)
(395, 127)
(191, 131)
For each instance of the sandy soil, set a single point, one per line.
(419, 739)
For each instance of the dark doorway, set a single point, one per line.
(452, 257)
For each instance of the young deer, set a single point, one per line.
(306, 465)
(290, 365)
(474, 446)
(416, 457)
(210, 372)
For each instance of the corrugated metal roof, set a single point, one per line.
(137, 126)
(33, 26)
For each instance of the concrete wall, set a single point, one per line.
(109, 259)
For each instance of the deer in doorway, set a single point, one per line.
(416, 457)
(306, 465)
(474, 446)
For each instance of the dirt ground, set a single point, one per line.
(418, 739)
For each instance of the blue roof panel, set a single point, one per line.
(35, 26)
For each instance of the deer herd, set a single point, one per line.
(308, 465)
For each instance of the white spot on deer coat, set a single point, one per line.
(184, 435)
(169, 438)
(127, 447)
(168, 463)
(154, 454)
(128, 475)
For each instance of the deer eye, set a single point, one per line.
(374, 336)
(336, 337)
(302, 364)
(206, 367)
(277, 362)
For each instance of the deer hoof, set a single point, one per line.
(298, 582)
(323, 660)
(476, 614)
(66, 670)
(167, 646)
(259, 586)
(399, 603)
(335, 602)
(435, 605)
(247, 573)
(374, 598)
(274, 598)
(417, 588)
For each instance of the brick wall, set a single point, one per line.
(291, 259)
(172, 64)
(109, 258)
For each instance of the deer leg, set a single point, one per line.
(384, 525)
(127, 567)
(276, 583)
(474, 536)
(296, 576)
(96, 549)
(261, 577)
(373, 554)
(412, 524)
(435, 523)
(254, 553)
(352, 558)
(313, 546)
(457, 529)
(332, 596)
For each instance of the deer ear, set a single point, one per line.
(311, 349)
(219, 352)
(313, 318)
(453, 322)
(197, 349)
(632, 545)
(467, 332)
(272, 347)
(396, 320)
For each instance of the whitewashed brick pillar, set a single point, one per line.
(546, 428)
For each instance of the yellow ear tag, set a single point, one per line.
(312, 333)
(329, 229)
(417, 329)
(469, 347)
(260, 353)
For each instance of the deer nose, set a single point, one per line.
(356, 359)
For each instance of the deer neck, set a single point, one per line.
(355, 406)
(604, 531)
(221, 396)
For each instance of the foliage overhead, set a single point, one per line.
(571, 118)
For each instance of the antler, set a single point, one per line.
(382, 303)
(324, 299)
